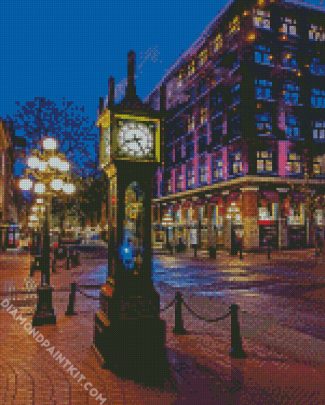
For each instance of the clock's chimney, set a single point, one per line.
(130, 89)
(111, 91)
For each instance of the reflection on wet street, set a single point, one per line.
(284, 292)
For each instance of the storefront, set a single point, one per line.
(268, 215)
(296, 222)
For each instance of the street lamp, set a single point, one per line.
(46, 176)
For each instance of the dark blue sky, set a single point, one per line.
(68, 48)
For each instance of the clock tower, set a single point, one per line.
(129, 334)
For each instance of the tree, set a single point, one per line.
(65, 121)
(92, 195)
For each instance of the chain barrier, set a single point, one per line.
(236, 348)
(201, 318)
(168, 306)
(88, 296)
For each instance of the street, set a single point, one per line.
(282, 325)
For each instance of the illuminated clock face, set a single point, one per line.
(136, 140)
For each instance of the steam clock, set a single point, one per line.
(129, 334)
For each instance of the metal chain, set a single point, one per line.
(88, 296)
(168, 306)
(220, 318)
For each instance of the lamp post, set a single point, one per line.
(46, 176)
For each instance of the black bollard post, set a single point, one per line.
(68, 259)
(179, 327)
(77, 258)
(72, 297)
(236, 350)
(32, 269)
(269, 250)
(241, 252)
(54, 265)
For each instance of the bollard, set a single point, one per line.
(72, 297)
(31, 270)
(78, 258)
(236, 350)
(269, 251)
(179, 327)
(68, 260)
(241, 253)
(54, 265)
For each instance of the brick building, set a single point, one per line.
(8, 210)
(244, 146)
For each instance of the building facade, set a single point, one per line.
(8, 210)
(244, 145)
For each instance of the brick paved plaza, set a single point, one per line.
(283, 365)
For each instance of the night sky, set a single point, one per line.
(68, 48)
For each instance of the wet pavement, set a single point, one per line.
(279, 290)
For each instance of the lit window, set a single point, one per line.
(217, 169)
(292, 128)
(317, 165)
(191, 68)
(264, 124)
(263, 89)
(203, 115)
(235, 164)
(319, 131)
(234, 25)
(289, 60)
(179, 179)
(169, 186)
(289, 26)
(190, 123)
(262, 19)
(291, 93)
(203, 172)
(180, 78)
(235, 93)
(264, 162)
(316, 33)
(203, 57)
(218, 42)
(318, 98)
(293, 164)
(317, 68)
(262, 55)
(190, 176)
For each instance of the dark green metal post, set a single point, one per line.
(179, 326)
(236, 350)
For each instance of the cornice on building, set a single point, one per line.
(241, 181)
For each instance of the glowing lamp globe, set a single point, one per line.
(33, 218)
(25, 184)
(64, 166)
(39, 200)
(33, 162)
(56, 184)
(69, 188)
(49, 144)
(39, 188)
(55, 162)
(42, 165)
